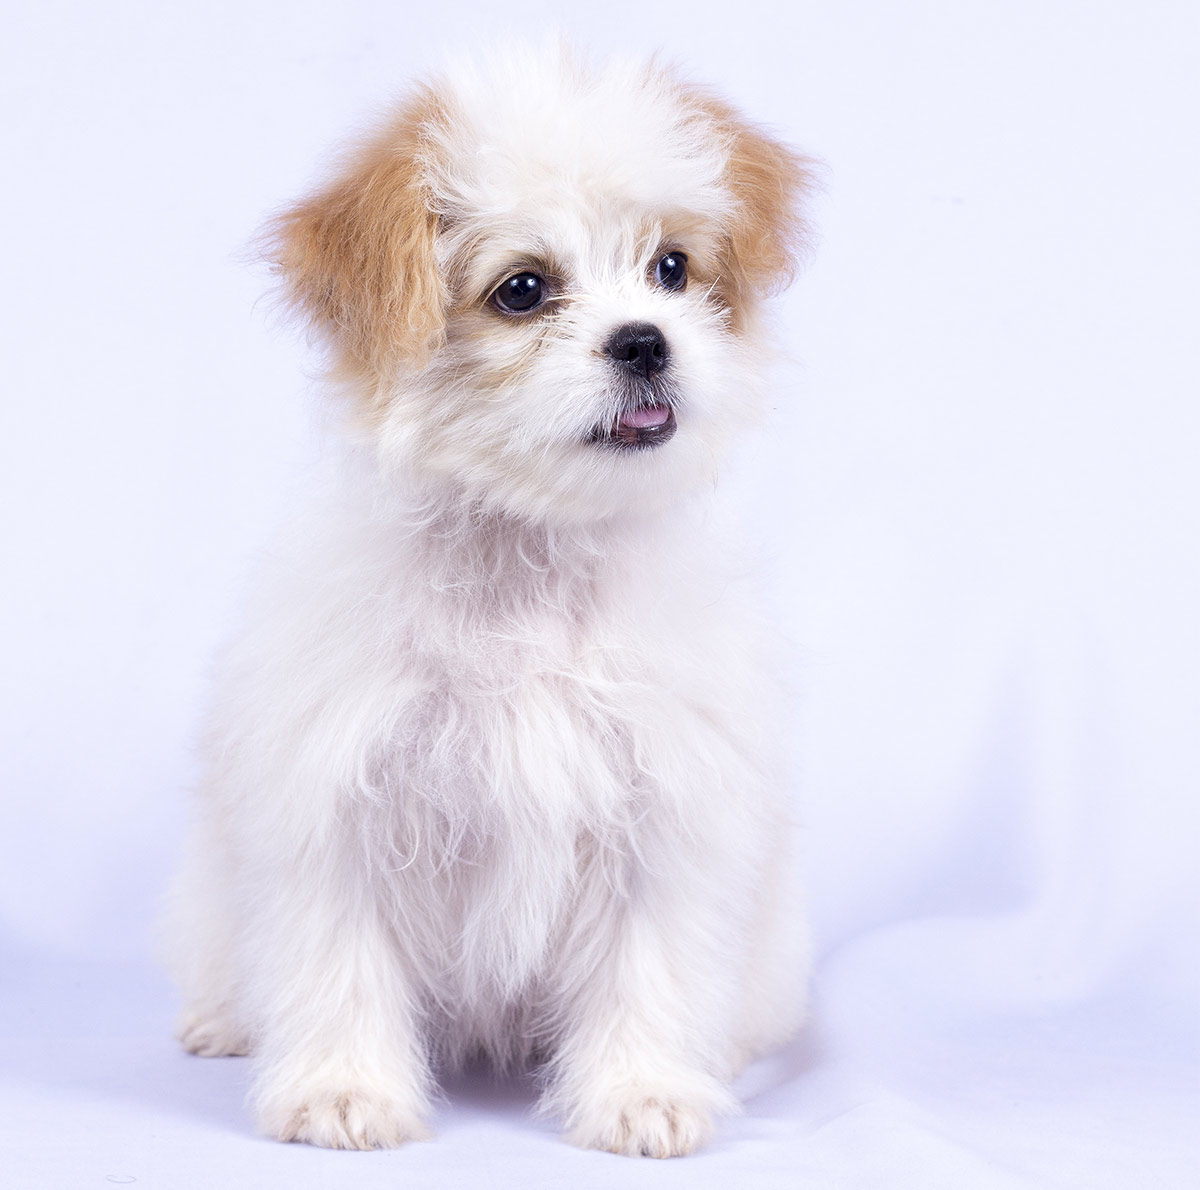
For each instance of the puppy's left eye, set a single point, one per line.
(671, 271)
(525, 291)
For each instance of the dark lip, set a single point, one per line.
(621, 437)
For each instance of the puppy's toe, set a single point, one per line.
(212, 1035)
(348, 1118)
(646, 1125)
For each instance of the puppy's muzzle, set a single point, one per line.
(647, 417)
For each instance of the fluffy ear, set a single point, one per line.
(767, 236)
(357, 258)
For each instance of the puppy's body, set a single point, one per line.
(493, 767)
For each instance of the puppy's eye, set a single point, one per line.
(518, 294)
(671, 271)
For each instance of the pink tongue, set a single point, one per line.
(645, 417)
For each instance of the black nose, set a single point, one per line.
(640, 347)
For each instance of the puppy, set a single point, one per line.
(492, 767)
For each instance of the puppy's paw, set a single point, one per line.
(640, 1122)
(212, 1035)
(343, 1118)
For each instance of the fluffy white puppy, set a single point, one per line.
(491, 770)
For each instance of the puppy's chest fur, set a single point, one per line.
(550, 723)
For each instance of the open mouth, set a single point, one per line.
(638, 427)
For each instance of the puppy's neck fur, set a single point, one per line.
(502, 561)
(492, 589)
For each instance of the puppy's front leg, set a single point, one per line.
(639, 1068)
(340, 1059)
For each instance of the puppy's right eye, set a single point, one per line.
(519, 294)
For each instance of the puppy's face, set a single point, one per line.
(542, 283)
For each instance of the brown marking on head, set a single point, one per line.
(357, 258)
(766, 237)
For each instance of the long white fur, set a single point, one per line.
(493, 766)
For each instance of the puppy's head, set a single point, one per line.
(542, 282)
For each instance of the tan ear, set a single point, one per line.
(767, 236)
(357, 258)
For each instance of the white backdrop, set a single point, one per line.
(977, 493)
